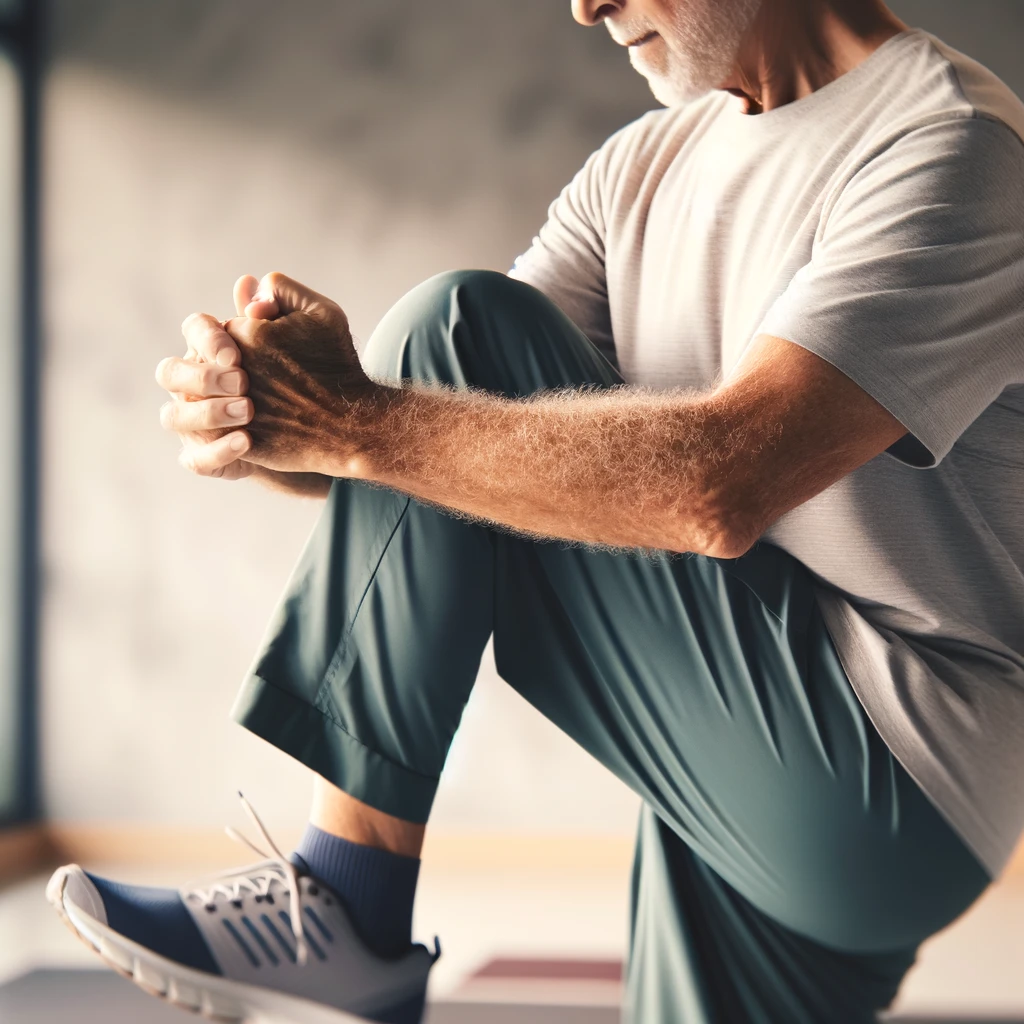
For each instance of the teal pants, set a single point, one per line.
(787, 866)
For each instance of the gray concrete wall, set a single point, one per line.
(359, 145)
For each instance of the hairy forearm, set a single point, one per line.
(620, 468)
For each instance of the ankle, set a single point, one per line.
(343, 816)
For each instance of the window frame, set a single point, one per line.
(20, 39)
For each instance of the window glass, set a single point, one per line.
(10, 439)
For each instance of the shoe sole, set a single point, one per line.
(206, 995)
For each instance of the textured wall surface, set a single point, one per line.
(359, 145)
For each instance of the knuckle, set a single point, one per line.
(212, 415)
(208, 379)
(200, 329)
(163, 371)
(168, 415)
(190, 321)
(178, 375)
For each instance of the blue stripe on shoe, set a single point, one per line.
(315, 918)
(261, 942)
(242, 944)
(156, 919)
(270, 926)
(310, 941)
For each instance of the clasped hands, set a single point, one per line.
(280, 387)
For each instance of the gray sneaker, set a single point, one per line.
(263, 943)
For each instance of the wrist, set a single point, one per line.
(357, 437)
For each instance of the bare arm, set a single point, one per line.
(705, 472)
(630, 468)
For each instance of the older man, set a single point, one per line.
(773, 336)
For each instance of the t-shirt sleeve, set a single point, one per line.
(915, 287)
(566, 260)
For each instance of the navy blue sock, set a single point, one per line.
(376, 886)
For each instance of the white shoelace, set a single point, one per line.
(259, 878)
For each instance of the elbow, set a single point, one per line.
(728, 545)
(725, 533)
(723, 515)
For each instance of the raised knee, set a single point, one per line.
(469, 286)
(468, 282)
(414, 335)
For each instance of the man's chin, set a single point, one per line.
(676, 94)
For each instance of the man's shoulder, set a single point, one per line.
(982, 94)
(927, 85)
(932, 115)
(950, 123)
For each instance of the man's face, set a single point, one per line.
(684, 48)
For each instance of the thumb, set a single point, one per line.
(279, 295)
(244, 292)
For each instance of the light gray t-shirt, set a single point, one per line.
(879, 223)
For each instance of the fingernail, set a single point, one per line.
(231, 383)
(226, 357)
(238, 442)
(236, 410)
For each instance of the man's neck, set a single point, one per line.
(795, 47)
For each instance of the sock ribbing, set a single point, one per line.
(377, 887)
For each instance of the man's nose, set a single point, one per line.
(590, 12)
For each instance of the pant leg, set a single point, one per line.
(710, 687)
(713, 689)
(702, 954)
(371, 655)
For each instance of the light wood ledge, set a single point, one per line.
(24, 850)
(33, 848)
(155, 846)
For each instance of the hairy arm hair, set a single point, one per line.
(627, 467)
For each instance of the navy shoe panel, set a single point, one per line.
(158, 920)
